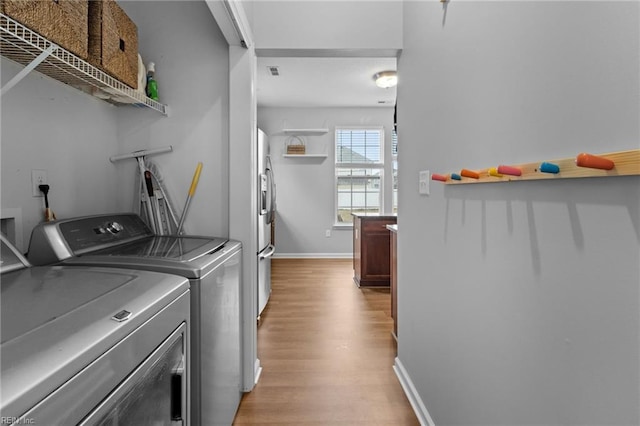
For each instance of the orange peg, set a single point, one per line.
(593, 162)
(470, 174)
(441, 178)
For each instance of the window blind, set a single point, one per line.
(359, 146)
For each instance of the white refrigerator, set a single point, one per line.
(265, 216)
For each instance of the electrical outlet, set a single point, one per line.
(327, 233)
(38, 177)
(423, 182)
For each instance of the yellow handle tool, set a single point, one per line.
(196, 178)
(192, 191)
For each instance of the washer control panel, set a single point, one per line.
(100, 231)
(61, 239)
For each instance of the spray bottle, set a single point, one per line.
(152, 85)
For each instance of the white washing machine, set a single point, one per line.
(92, 346)
(212, 265)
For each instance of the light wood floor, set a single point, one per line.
(326, 350)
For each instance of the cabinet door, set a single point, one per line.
(376, 255)
(394, 282)
(357, 248)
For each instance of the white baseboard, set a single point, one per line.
(313, 256)
(412, 394)
(257, 371)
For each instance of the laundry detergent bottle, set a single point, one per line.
(152, 84)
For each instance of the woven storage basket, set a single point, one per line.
(63, 22)
(295, 145)
(113, 41)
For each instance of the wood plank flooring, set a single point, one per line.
(326, 350)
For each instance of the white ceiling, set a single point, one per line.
(323, 82)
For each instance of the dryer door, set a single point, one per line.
(154, 394)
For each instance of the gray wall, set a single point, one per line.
(519, 302)
(306, 187)
(50, 126)
(192, 69)
(47, 125)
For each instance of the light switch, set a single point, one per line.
(423, 182)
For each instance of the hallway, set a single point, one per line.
(326, 350)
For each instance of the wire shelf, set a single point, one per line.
(24, 46)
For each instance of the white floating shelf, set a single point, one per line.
(305, 155)
(305, 132)
(29, 48)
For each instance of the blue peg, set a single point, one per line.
(549, 168)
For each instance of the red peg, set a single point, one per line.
(441, 178)
(594, 162)
(470, 174)
(508, 170)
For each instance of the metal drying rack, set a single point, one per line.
(29, 48)
(155, 207)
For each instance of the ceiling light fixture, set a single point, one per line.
(386, 79)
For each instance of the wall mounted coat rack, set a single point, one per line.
(622, 163)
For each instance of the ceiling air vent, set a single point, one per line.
(274, 71)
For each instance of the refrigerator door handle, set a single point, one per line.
(272, 185)
(263, 194)
(270, 200)
(268, 252)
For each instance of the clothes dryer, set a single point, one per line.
(212, 265)
(91, 345)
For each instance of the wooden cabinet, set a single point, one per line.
(371, 250)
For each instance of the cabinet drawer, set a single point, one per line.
(377, 225)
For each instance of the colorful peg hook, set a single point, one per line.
(546, 167)
(593, 162)
(509, 170)
(621, 163)
(469, 174)
(441, 178)
(493, 171)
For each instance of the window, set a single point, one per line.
(359, 172)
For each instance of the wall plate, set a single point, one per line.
(423, 182)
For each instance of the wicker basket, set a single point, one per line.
(63, 22)
(113, 41)
(295, 145)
